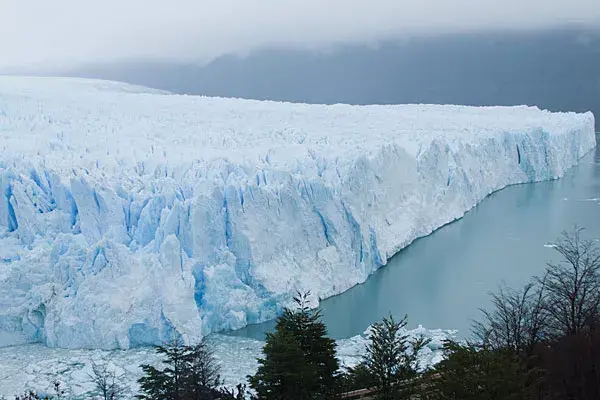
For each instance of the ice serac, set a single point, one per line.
(130, 216)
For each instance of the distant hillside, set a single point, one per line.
(558, 70)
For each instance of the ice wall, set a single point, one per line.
(130, 216)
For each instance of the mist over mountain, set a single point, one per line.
(555, 69)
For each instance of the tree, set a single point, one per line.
(516, 321)
(202, 371)
(319, 350)
(357, 378)
(189, 373)
(239, 394)
(572, 286)
(389, 360)
(469, 372)
(284, 373)
(166, 383)
(571, 366)
(299, 360)
(106, 382)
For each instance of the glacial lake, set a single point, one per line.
(442, 280)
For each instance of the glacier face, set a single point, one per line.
(129, 216)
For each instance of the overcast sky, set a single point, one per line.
(65, 33)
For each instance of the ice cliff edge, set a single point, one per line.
(129, 216)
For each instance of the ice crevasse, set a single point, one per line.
(129, 216)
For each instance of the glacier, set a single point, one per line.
(130, 216)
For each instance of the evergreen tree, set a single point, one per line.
(201, 373)
(300, 360)
(189, 373)
(167, 383)
(357, 378)
(389, 360)
(319, 350)
(284, 372)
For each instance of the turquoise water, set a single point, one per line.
(442, 280)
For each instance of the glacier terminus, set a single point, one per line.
(131, 216)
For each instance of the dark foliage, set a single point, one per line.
(356, 378)
(551, 327)
(188, 373)
(572, 366)
(284, 372)
(390, 365)
(299, 360)
(166, 383)
(389, 360)
(240, 393)
(473, 373)
(202, 372)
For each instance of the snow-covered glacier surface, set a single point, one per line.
(129, 216)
